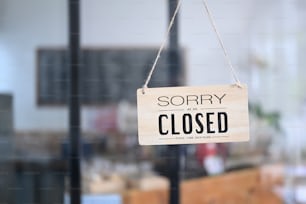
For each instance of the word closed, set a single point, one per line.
(186, 115)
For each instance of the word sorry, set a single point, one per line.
(179, 100)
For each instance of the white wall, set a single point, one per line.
(29, 24)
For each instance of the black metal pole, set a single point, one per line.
(74, 103)
(174, 76)
(174, 58)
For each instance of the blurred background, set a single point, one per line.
(266, 40)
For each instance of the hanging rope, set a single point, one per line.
(162, 46)
(213, 24)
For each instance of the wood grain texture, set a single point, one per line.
(232, 187)
(141, 197)
(188, 115)
(239, 187)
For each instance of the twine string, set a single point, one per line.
(162, 46)
(213, 24)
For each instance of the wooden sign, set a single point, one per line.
(186, 115)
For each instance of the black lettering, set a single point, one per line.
(209, 123)
(187, 119)
(192, 98)
(173, 125)
(164, 102)
(199, 123)
(223, 128)
(177, 102)
(206, 97)
(160, 126)
(220, 98)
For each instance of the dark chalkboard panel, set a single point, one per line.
(106, 75)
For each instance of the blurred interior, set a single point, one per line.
(266, 41)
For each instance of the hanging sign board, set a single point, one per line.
(188, 115)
